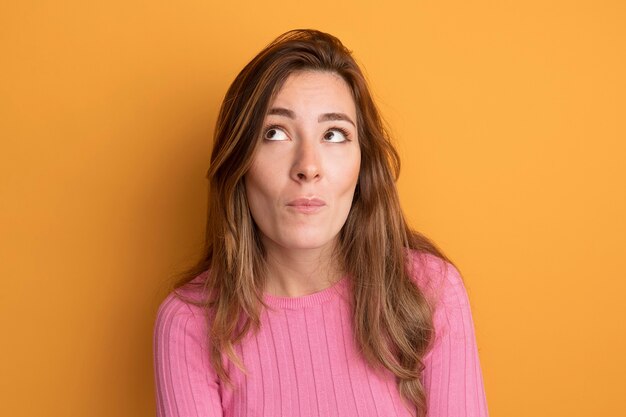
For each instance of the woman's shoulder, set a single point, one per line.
(195, 288)
(181, 326)
(186, 300)
(442, 285)
(434, 276)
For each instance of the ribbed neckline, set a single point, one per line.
(308, 300)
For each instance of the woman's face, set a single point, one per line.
(303, 176)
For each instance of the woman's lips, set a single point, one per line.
(307, 205)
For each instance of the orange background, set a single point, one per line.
(509, 117)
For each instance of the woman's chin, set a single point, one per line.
(306, 242)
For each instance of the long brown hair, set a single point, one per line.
(392, 318)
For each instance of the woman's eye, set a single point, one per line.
(275, 133)
(336, 135)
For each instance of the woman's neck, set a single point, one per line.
(298, 272)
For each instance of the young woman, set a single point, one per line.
(314, 297)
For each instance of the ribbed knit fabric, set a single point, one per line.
(304, 361)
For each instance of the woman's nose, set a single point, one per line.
(307, 163)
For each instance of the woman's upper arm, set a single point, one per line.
(186, 385)
(452, 375)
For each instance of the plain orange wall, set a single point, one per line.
(509, 117)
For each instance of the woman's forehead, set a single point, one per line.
(304, 89)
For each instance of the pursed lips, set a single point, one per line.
(307, 205)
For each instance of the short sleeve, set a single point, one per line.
(452, 376)
(186, 385)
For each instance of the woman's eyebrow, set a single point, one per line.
(335, 116)
(281, 111)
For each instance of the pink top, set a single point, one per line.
(304, 362)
